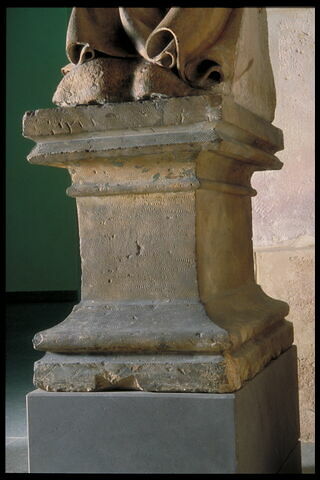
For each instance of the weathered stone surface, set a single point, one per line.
(139, 370)
(162, 125)
(145, 326)
(165, 239)
(104, 80)
(234, 120)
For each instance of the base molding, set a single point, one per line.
(253, 430)
(163, 372)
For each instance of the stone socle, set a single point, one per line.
(168, 296)
(161, 179)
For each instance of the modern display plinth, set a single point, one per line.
(254, 430)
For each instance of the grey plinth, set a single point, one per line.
(255, 430)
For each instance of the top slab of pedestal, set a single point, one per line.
(201, 122)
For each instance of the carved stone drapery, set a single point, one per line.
(123, 54)
(162, 36)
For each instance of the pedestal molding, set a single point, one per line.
(184, 185)
(220, 124)
(131, 327)
(163, 112)
(139, 137)
(224, 187)
(102, 189)
(114, 116)
(193, 372)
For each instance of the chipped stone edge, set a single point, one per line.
(173, 373)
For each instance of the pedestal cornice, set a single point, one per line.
(202, 122)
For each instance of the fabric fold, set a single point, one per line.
(174, 38)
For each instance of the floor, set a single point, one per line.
(23, 321)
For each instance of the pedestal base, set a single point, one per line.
(254, 430)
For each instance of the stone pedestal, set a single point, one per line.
(254, 430)
(169, 300)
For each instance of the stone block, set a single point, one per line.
(164, 213)
(251, 431)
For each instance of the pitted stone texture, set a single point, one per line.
(135, 175)
(125, 254)
(143, 327)
(121, 116)
(189, 241)
(159, 372)
(104, 80)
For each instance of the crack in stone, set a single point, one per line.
(139, 249)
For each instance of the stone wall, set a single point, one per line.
(283, 211)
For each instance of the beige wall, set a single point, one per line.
(283, 211)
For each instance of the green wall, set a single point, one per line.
(41, 226)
